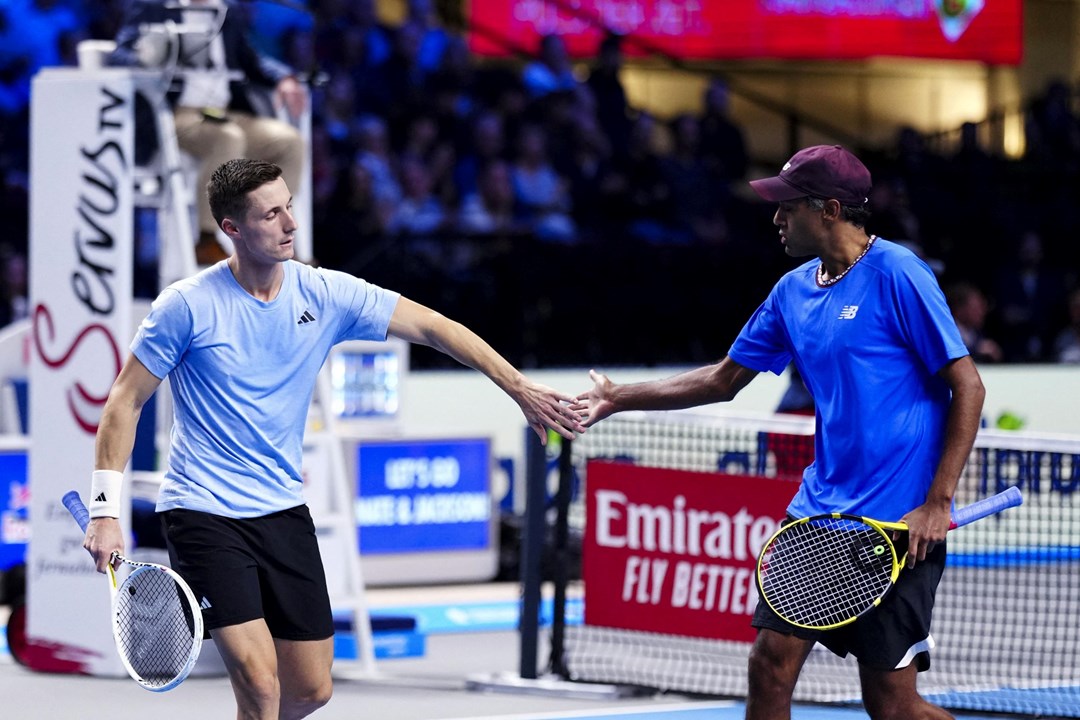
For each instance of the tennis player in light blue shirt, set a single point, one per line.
(898, 404)
(242, 343)
(237, 366)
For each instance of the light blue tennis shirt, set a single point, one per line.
(869, 349)
(242, 373)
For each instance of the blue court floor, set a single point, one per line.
(467, 636)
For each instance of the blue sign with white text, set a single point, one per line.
(14, 509)
(424, 495)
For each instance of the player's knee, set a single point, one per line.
(769, 671)
(307, 700)
(257, 689)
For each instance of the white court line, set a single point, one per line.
(658, 711)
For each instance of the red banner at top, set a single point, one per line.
(674, 552)
(985, 30)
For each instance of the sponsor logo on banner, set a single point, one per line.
(420, 495)
(81, 251)
(673, 551)
(785, 29)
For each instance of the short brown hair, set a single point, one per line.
(231, 182)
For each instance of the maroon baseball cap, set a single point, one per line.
(822, 171)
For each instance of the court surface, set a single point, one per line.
(435, 686)
(430, 688)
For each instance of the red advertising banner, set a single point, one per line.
(986, 30)
(674, 552)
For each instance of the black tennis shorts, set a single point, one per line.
(892, 635)
(245, 569)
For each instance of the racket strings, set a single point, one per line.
(825, 572)
(155, 627)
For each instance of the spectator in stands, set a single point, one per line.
(1030, 301)
(404, 79)
(551, 71)
(374, 154)
(36, 31)
(424, 143)
(490, 209)
(355, 220)
(486, 143)
(434, 39)
(326, 167)
(216, 117)
(337, 113)
(722, 143)
(898, 404)
(633, 190)
(349, 33)
(541, 193)
(696, 216)
(352, 43)
(920, 172)
(419, 213)
(1052, 130)
(969, 308)
(14, 288)
(298, 52)
(587, 160)
(34, 34)
(1067, 343)
(612, 107)
(892, 216)
(273, 25)
(452, 89)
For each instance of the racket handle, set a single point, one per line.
(987, 506)
(75, 506)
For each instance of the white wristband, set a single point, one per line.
(105, 486)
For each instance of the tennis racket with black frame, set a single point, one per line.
(156, 620)
(824, 571)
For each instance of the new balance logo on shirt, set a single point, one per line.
(306, 318)
(848, 312)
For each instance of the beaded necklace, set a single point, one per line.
(822, 282)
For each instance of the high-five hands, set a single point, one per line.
(595, 404)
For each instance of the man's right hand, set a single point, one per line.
(104, 538)
(595, 405)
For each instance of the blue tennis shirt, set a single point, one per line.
(242, 373)
(869, 349)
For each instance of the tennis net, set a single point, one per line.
(1008, 608)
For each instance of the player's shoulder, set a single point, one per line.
(896, 259)
(210, 276)
(311, 276)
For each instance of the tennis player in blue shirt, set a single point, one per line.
(898, 403)
(242, 343)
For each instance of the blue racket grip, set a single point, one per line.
(987, 506)
(75, 506)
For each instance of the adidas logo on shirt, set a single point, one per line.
(306, 318)
(205, 604)
(101, 498)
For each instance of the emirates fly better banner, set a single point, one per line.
(986, 30)
(674, 552)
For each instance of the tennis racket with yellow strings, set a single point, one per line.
(824, 571)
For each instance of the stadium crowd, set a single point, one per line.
(531, 201)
